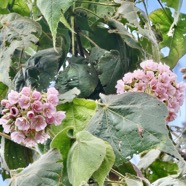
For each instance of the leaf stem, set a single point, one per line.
(72, 19)
(51, 134)
(99, 3)
(89, 11)
(5, 136)
(117, 173)
(91, 41)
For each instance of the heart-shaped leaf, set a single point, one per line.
(45, 171)
(132, 123)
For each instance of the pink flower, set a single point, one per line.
(163, 68)
(6, 128)
(53, 99)
(120, 87)
(50, 120)
(37, 106)
(128, 78)
(22, 123)
(59, 116)
(139, 87)
(30, 114)
(14, 111)
(17, 137)
(48, 110)
(52, 90)
(164, 78)
(6, 125)
(24, 102)
(149, 75)
(41, 137)
(181, 86)
(13, 97)
(157, 80)
(3, 121)
(149, 65)
(26, 91)
(38, 123)
(138, 74)
(36, 95)
(4, 102)
(29, 142)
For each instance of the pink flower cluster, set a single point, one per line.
(157, 80)
(26, 115)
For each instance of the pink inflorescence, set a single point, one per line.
(157, 80)
(27, 114)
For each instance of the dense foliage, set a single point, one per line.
(82, 48)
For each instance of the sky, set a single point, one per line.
(182, 63)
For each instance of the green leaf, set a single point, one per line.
(119, 28)
(173, 4)
(160, 169)
(181, 181)
(137, 20)
(20, 7)
(3, 90)
(119, 118)
(39, 70)
(69, 95)
(78, 74)
(111, 68)
(63, 142)
(14, 155)
(174, 38)
(17, 33)
(52, 11)
(3, 4)
(65, 22)
(78, 114)
(46, 171)
(100, 175)
(85, 157)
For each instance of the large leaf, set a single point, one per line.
(46, 171)
(17, 33)
(132, 123)
(78, 114)
(40, 70)
(174, 40)
(3, 90)
(110, 67)
(52, 11)
(85, 157)
(78, 74)
(14, 155)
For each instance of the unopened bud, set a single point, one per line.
(127, 87)
(183, 70)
